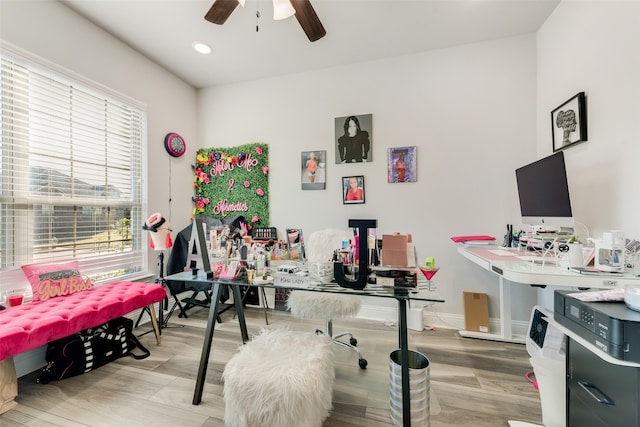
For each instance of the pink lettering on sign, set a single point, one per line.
(222, 207)
(248, 163)
(219, 167)
(55, 288)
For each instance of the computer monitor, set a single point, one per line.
(544, 193)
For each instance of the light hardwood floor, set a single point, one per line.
(473, 382)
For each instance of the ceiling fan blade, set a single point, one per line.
(308, 19)
(220, 11)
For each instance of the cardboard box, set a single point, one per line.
(476, 312)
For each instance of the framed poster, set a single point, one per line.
(353, 139)
(313, 170)
(569, 123)
(352, 189)
(401, 164)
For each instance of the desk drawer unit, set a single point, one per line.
(600, 393)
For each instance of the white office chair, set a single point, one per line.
(314, 305)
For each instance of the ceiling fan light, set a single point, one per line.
(282, 9)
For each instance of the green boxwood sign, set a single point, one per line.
(233, 181)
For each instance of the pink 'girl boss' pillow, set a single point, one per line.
(54, 280)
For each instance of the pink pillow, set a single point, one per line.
(54, 280)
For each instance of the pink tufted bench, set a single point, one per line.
(32, 325)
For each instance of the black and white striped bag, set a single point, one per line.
(87, 350)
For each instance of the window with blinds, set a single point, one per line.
(71, 175)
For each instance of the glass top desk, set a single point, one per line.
(402, 295)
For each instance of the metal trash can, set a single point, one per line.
(418, 387)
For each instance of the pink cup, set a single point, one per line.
(14, 300)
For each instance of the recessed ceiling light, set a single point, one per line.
(201, 48)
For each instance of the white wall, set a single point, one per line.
(470, 110)
(52, 31)
(594, 47)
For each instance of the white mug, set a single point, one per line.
(322, 271)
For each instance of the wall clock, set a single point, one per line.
(174, 144)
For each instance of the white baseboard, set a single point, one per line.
(438, 320)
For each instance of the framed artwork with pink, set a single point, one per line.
(401, 165)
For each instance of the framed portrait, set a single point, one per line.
(401, 164)
(569, 122)
(352, 189)
(313, 175)
(353, 138)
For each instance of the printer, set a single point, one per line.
(610, 326)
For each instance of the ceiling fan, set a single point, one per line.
(304, 12)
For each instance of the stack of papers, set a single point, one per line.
(610, 295)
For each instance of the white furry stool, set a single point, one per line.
(280, 378)
(326, 306)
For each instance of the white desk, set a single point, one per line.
(510, 268)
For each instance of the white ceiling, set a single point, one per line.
(357, 31)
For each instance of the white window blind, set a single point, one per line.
(71, 175)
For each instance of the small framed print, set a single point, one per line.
(401, 164)
(569, 123)
(352, 189)
(313, 170)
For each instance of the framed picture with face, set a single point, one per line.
(353, 139)
(313, 170)
(352, 189)
(401, 164)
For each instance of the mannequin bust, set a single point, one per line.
(159, 231)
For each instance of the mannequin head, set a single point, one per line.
(160, 232)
